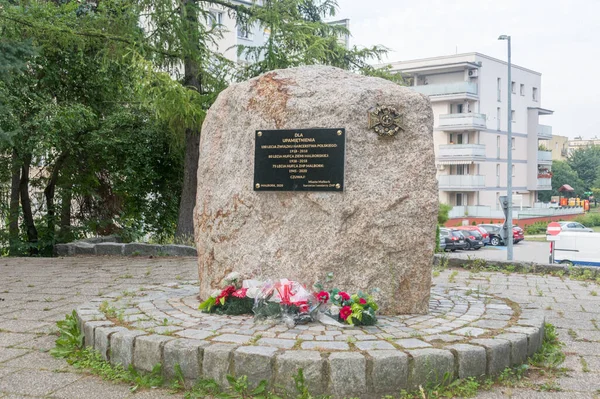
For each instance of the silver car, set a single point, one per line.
(574, 226)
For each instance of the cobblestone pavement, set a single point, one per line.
(35, 293)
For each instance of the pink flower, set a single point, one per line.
(345, 312)
(303, 308)
(241, 293)
(323, 296)
(344, 295)
(362, 301)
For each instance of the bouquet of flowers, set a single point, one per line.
(356, 309)
(233, 299)
(288, 300)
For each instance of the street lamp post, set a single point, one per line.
(509, 222)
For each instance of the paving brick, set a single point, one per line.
(518, 347)
(411, 343)
(102, 339)
(277, 343)
(88, 329)
(325, 345)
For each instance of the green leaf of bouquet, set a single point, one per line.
(222, 300)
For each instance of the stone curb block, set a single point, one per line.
(102, 339)
(148, 351)
(497, 353)
(388, 371)
(121, 347)
(216, 363)
(256, 362)
(534, 341)
(518, 347)
(187, 353)
(471, 360)
(430, 365)
(312, 365)
(109, 248)
(88, 330)
(141, 249)
(347, 374)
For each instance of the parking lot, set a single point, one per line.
(529, 251)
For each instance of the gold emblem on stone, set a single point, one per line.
(385, 120)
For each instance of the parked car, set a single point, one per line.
(495, 231)
(453, 239)
(577, 248)
(473, 237)
(574, 226)
(481, 230)
(442, 242)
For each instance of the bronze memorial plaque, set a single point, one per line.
(299, 160)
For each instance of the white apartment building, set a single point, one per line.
(469, 96)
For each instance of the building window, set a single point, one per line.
(513, 171)
(522, 90)
(497, 175)
(512, 143)
(498, 147)
(534, 93)
(499, 89)
(498, 117)
(215, 17)
(512, 116)
(513, 87)
(243, 32)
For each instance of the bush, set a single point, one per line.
(589, 220)
(536, 228)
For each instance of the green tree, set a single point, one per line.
(586, 163)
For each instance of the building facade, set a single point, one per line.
(559, 145)
(580, 142)
(469, 97)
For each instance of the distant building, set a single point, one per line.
(559, 145)
(579, 142)
(468, 94)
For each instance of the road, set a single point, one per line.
(527, 251)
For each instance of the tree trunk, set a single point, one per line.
(185, 221)
(32, 234)
(49, 194)
(65, 215)
(13, 218)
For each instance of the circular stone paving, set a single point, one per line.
(466, 333)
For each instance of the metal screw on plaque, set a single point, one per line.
(338, 186)
(257, 185)
(339, 132)
(259, 134)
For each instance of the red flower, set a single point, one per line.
(345, 312)
(323, 296)
(225, 293)
(362, 301)
(344, 295)
(303, 308)
(241, 293)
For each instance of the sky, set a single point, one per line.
(560, 39)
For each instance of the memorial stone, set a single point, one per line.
(316, 170)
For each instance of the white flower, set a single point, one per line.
(337, 297)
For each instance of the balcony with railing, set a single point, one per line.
(544, 183)
(449, 90)
(469, 121)
(449, 154)
(461, 182)
(544, 132)
(544, 157)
